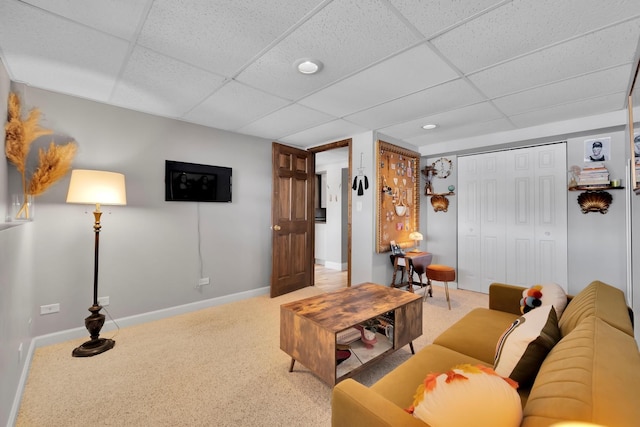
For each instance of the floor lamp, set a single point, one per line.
(99, 188)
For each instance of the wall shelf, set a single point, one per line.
(604, 187)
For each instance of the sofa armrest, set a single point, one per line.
(505, 297)
(355, 405)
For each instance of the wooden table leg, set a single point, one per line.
(293, 361)
(410, 346)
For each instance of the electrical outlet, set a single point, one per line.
(203, 281)
(50, 308)
(103, 301)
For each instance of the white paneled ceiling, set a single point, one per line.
(472, 67)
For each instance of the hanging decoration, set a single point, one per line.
(360, 179)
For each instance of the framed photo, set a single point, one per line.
(398, 197)
(597, 150)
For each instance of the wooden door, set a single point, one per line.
(292, 219)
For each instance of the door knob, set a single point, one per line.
(276, 227)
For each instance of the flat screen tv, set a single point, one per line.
(191, 182)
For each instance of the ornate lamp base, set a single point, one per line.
(95, 345)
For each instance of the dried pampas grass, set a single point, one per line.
(21, 133)
(53, 163)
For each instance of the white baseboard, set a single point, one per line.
(75, 333)
(335, 265)
(13, 414)
(137, 319)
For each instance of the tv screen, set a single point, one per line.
(191, 182)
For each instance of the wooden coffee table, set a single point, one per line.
(308, 327)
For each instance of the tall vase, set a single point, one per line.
(23, 207)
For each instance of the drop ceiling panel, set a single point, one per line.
(600, 83)
(389, 65)
(156, 84)
(515, 29)
(220, 36)
(481, 112)
(346, 36)
(44, 59)
(234, 106)
(463, 131)
(439, 15)
(447, 96)
(408, 72)
(327, 132)
(117, 17)
(286, 121)
(583, 108)
(603, 49)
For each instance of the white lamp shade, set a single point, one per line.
(96, 187)
(415, 236)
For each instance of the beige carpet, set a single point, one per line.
(220, 366)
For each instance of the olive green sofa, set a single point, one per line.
(591, 375)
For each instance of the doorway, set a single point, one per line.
(333, 162)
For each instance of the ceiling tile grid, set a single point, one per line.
(524, 26)
(441, 98)
(471, 66)
(234, 106)
(612, 80)
(476, 113)
(286, 121)
(332, 131)
(411, 71)
(436, 16)
(44, 59)
(347, 35)
(221, 36)
(461, 131)
(595, 51)
(572, 110)
(119, 18)
(161, 85)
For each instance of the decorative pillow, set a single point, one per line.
(547, 294)
(467, 395)
(524, 345)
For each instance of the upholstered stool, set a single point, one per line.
(441, 273)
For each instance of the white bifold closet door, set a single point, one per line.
(512, 217)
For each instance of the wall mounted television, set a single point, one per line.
(192, 182)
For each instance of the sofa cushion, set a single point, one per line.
(477, 333)
(400, 384)
(541, 295)
(591, 375)
(524, 345)
(600, 300)
(487, 399)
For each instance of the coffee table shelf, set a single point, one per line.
(308, 327)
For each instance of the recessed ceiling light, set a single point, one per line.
(429, 126)
(308, 66)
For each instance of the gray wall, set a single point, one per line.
(150, 250)
(149, 256)
(596, 242)
(16, 287)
